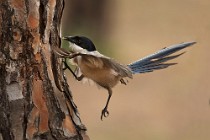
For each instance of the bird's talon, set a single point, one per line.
(104, 113)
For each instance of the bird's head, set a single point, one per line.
(78, 43)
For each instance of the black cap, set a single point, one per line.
(82, 42)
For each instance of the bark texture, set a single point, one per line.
(35, 100)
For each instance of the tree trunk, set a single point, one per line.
(35, 101)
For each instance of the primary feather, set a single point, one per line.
(157, 60)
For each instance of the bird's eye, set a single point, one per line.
(79, 41)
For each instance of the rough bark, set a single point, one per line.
(35, 100)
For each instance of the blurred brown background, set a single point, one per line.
(170, 104)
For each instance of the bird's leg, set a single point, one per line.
(105, 112)
(67, 54)
(67, 67)
(61, 52)
(64, 53)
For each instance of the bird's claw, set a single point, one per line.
(104, 113)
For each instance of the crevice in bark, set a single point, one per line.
(56, 69)
(5, 126)
(6, 26)
(26, 73)
(56, 115)
(58, 12)
(4, 107)
(42, 18)
(27, 6)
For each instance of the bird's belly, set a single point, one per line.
(103, 77)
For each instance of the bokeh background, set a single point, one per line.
(169, 104)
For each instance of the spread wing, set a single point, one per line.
(103, 62)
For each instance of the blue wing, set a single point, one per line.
(157, 60)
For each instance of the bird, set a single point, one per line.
(107, 72)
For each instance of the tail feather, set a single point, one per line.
(157, 60)
(152, 68)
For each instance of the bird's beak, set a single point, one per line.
(65, 38)
(68, 38)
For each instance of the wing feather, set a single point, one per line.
(108, 63)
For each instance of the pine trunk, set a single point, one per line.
(35, 100)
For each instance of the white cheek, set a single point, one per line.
(75, 47)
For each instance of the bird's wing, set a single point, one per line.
(85, 79)
(157, 60)
(103, 62)
(124, 71)
(93, 61)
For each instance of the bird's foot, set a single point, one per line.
(104, 113)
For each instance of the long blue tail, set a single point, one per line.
(157, 60)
